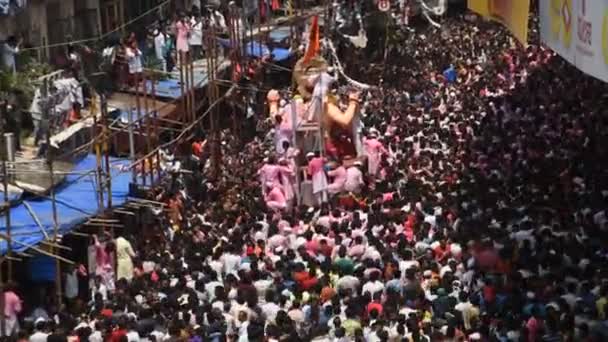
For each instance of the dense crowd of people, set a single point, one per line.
(481, 216)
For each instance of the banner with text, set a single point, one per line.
(513, 14)
(578, 31)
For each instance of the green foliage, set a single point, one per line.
(24, 82)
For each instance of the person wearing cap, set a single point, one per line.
(40, 334)
(270, 175)
(354, 178)
(316, 171)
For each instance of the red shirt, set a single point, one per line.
(374, 305)
(309, 283)
(117, 334)
(489, 294)
(440, 252)
(197, 149)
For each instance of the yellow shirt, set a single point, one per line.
(600, 304)
(350, 326)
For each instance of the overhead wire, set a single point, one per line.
(102, 36)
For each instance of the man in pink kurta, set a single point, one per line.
(12, 308)
(319, 179)
(287, 175)
(269, 173)
(374, 150)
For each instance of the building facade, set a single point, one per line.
(46, 24)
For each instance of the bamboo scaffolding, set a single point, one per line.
(181, 86)
(156, 132)
(106, 148)
(58, 258)
(149, 137)
(6, 204)
(98, 172)
(56, 245)
(35, 217)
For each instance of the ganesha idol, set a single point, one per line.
(315, 105)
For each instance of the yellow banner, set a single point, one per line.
(513, 14)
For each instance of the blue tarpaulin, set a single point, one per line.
(42, 269)
(76, 200)
(279, 34)
(255, 49)
(169, 88)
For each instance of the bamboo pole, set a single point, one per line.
(56, 245)
(138, 106)
(106, 147)
(156, 134)
(184, 117)
(41, 251)
(144, 126)
(98, 173)
(192, 88)
(7, 207)
(35, 217)
(150, 138)
(55, 222)
(132, 146)
(2, 316)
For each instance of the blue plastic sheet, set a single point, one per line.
(279, 34)
(255, 49)
(76, 202)
(42, 269)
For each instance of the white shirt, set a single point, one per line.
(39, 336)
(71, 285)
(231, 262)
(134, 59)
(133, 336)
(159, 46)
(95, 337)
(373, 287)
(196, 34)
(218, 20)
(354, 179)
(101, 289)
(270, 310)
(348, 282)
(8, 56)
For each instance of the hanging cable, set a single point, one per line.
(340, 69)
(100, 37)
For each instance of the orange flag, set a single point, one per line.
(313, 42)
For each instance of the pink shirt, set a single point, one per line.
(104, 260)
(270, 174)
(182, 31)
(532, 326)
(276, 197)
(387, 197)
(315, 165)
(356, 251)
(374, 146)
(339, 175)
(12, 304)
